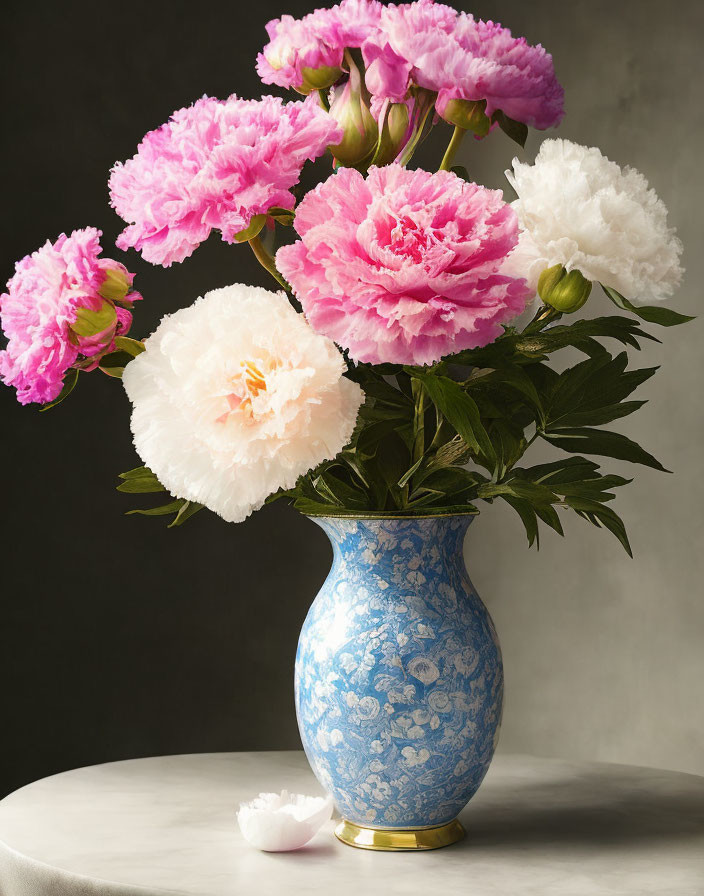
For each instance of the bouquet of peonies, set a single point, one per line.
(404, 366)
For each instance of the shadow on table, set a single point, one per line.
(600, 808)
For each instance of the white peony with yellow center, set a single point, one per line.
(236, 397)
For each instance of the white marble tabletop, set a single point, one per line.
(167, 825)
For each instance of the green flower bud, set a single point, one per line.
(467, 114)
(393, 133)
(116, 284)
(351, 108)
(318, 78)
(361, 131)
(563, 291)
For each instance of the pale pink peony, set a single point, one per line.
(41, 304)
(433, 46)
(307, 53)
(404, 267)
(215, 165)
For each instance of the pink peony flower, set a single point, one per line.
(215, 165)
(307, 53)
(433, 46)
(404, 267)
(59, 312)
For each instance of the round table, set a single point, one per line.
(167, 825)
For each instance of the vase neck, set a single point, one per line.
(412, 537)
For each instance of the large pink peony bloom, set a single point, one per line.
(307, 53)
(44, 298)
(404, 267)
(215, 165)
(433, 46)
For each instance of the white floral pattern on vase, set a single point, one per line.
(399, 681)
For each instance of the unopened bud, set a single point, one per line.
(117, 282)
(318, 78)
(394, 131)
(466, 114)
(563, 291)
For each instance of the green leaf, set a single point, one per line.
(136, 473)
(654, 314)
(528, 517)
(534, 492)
(567, 469)
(461, 171)
(580, 335)
(162, 510)
(548, 514)
(599, 515)
(591, 393)
(449, 481)
(69, 385)
(114, 363)
(338, 492)
(131, 346)
(515, 378)
(509, 445)
(282, 215)
(460, 410)
(598, 416)
(516, 130)
(141, 485)
(188, 509)
(602, 442)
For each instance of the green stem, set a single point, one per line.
(266, 261)
(544, 316)
(452, 148)
(418, 420)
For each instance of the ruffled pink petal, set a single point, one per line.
(404, 266)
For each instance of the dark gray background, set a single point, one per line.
(120, 638)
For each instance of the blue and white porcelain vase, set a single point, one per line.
(399, 682)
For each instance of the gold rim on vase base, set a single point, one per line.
(390, 840)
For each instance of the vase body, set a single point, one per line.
(399, 682)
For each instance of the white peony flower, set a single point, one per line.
(236, 397)
(578, 209)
